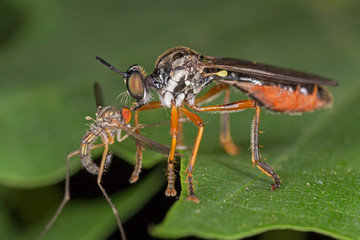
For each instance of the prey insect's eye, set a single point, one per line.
(126, 113)
(135, 82)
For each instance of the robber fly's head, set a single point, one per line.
(134, 79)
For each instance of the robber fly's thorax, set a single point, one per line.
(178, 76)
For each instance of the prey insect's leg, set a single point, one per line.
(200, 124)
(225, 137)
(67, 191)
(101, 170)
(256, 157)
(170, 190)
(238, 106)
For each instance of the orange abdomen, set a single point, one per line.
(288, 98)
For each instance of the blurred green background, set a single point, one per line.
(47, 71)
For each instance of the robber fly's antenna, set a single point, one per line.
(111, 67)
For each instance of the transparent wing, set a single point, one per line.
(148, 143)
(264, 72)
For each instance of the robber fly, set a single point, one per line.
(108, 125)
(181, 73)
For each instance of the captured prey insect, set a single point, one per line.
(109, 123)
(181, 73)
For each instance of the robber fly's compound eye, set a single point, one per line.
(135, 82)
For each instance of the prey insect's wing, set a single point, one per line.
(148, 143)
(262, 72)
(98, 95)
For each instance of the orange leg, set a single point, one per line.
(180, 137)
(256, 158)
(149, 106)
(211, 94)
(200, 124)
(155, 105)
(170, 190)
(138, 164)
(225, 137)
